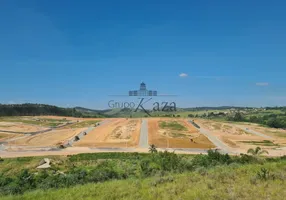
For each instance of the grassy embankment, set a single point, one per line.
(160, 175)
(233, 182)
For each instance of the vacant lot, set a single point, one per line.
(115, 133)
(6, 136)
(83, 124)
(40, 121)
(19, 127)
(233, 135)
(272, 132)
(170, 133)
(51, 138)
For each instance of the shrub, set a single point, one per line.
(265, 174)
(211, 159)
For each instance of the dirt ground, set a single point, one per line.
(272, 132)
(51, 138)
(19, 127)
(235, 137)
(5, 136)
(68, 118)
(165, 138)
(115, 133)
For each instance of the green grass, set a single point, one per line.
(162, 175)
(172, 125)
(177, 135)
(222, 182)
(83, 124)
(11, 166)
(261, 143)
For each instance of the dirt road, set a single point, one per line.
(223, 147)
(255, 132)
(143, 140)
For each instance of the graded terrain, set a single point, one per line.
(51, 138)
(176, 133)
(243, 136)
(113, 133)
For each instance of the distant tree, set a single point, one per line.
(238, 117)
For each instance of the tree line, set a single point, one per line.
(271, 120)
(29, 109)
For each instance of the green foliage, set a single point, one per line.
(96, 156)
(265, 174)
(29, 109)
(173, 125)
(153, 149)
(101, 167)
(211, 159)
(257, 151)
(271, 120)
(245, 159)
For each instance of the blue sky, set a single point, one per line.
(76, 53)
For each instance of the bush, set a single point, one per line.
(211, 159)
(265, 174)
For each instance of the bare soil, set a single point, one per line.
(115, 133)
(51, 138)
(19, 127)
(235, 137)
(166, 138)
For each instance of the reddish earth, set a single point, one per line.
(115, 133)
(164, 138)
(51, 138)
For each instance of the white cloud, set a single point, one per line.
(11, 102)
(183, 75)
(262, 84)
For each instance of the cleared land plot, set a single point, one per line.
(83, 124)
(19, 127)
(115, 133)
(5, 136)
(52, 138)
(43, 121)
(170, 133)
(235, 137)
(273, 132)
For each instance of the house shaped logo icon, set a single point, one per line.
(143, 91)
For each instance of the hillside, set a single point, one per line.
(29, 109)
(145, 176)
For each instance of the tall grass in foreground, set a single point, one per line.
(159, 175)
(220, 182)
